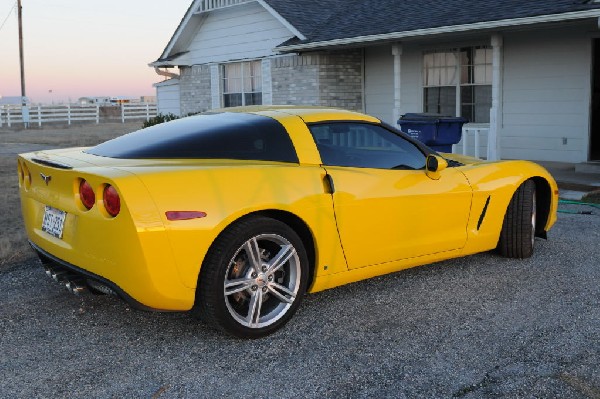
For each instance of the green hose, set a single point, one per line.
(572, 202)
(578, 203)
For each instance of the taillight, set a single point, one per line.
(21, 173)
(86, 194)
(112, 201)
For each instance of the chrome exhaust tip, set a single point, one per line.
(59, 275)
(75, 287)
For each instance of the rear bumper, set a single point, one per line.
(58, 265)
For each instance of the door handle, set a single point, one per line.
(328, 183)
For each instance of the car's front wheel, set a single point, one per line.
(253, 278)
(518, 230)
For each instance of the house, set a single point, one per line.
(12, 101)
(528, 72)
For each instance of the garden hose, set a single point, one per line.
(572, 202)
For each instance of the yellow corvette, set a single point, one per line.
(236, 214)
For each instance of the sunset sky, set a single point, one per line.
(77, 48)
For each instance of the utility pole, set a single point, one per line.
(24, 108)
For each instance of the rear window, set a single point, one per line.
(214, 136)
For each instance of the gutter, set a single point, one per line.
(165, 73)
(570, 16)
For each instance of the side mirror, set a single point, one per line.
(434, 165)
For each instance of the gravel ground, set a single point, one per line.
(476, 327)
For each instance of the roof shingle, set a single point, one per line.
(323, 20)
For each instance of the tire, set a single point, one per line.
(253, 278)
(518, 229)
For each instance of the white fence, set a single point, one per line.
(138, 111)
(38, 115)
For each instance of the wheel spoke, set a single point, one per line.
(286, 252)
(275, 289)
(253, 253)
(254, 308)
(237, 285)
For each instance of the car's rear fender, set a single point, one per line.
(128, 250)
(227, 194)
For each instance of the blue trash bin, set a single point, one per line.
(436, 131)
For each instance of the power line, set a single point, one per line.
(8, 16)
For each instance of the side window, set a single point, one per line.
(365, 145)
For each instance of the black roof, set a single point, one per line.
(324, 20)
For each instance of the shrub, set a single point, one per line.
(158, 119)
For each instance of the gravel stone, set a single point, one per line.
(475, 327)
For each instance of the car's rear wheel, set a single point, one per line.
(253, 278)
(518, 230)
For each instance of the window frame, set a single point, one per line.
(464, 78)
(243, 79)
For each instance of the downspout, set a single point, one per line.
(165, 73)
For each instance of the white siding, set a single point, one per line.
(242, 32)
(412, 79)
(167, 97)
(379, 82)
(546, 95)
(546, 91)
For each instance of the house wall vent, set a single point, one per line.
(209, 5)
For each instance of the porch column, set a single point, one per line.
(397, 53)
(493, 151)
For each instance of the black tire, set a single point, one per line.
(518, 230)
(243, 289)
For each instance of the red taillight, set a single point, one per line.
(112, 201)
(86, 194)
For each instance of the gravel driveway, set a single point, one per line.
(481, 326)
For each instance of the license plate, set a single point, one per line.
(54, 221)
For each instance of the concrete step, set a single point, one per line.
(588, 167)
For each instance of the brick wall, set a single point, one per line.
(329, 79)
(332, 79)
(194, 84)
(295, 80)
(341, 80)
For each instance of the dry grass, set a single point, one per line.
(13, 239)
(592, 197)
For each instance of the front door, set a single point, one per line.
(386, 215)
(385, 205)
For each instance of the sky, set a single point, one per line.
(85, 48)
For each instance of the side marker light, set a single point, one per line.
(184, 215)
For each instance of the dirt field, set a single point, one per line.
(13, 240)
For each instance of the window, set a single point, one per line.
(242, 84)
(460, 76)
(364, 145)
(227, 135)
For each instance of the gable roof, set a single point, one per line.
(195, 16)
(333, 22)
(325, 23)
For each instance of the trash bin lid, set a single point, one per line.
(431, 117)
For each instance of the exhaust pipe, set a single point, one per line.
(75, 287)
(74, 284)
(59, 276)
